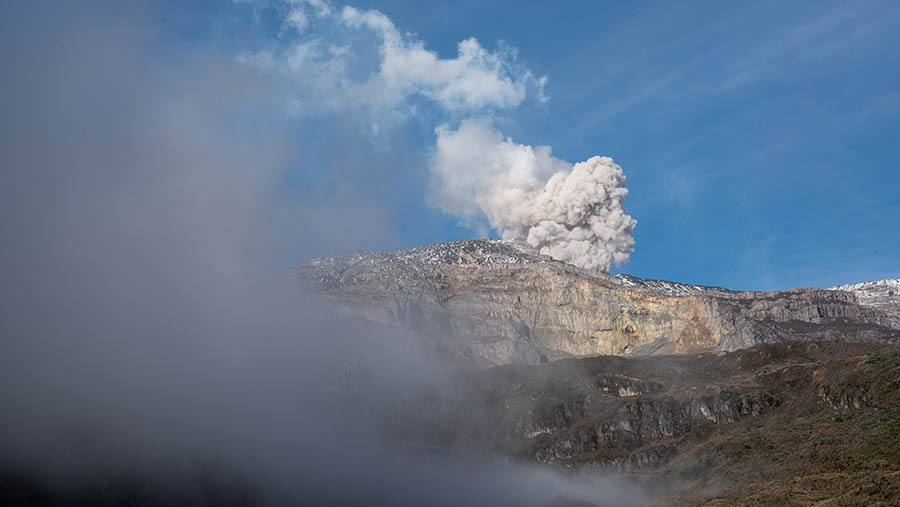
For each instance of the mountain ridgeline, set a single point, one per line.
(492, 302)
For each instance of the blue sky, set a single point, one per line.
(759, 139)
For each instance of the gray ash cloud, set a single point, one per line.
(573, 213)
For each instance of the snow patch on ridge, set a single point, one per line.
(669, 288)
(883, 295)
(872, 289)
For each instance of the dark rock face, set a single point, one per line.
(489, 302)
(774, 415)
(627, 414)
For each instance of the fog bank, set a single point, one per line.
(149, 352)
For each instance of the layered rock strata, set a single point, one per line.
(882, 295)
(490, 302)
(632, 414)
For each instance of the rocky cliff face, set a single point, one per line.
(789, 423)
(882, 295)
(489, 302)
(631, 414)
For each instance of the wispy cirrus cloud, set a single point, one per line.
(799, 43)
(352, 59)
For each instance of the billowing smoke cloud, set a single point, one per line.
(571, 212)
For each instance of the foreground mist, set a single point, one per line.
(146, 356)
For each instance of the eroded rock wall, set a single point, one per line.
(494, 302)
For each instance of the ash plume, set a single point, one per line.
(571, 212)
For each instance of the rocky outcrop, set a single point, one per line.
(882, 295)
(490, 302)
(632, 414)
(638, 414)
(751, 318)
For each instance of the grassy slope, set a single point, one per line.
(808, 452)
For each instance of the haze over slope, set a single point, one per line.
(159, 167)
(778, 424)
(146, 358)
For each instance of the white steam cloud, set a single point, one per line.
(571, 212)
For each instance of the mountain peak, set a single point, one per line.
(487, 302)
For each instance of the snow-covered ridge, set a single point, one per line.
(479, 251)
(346, 268)
(415, 266)
(883, 295)
(875, 288)
(669, 288)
